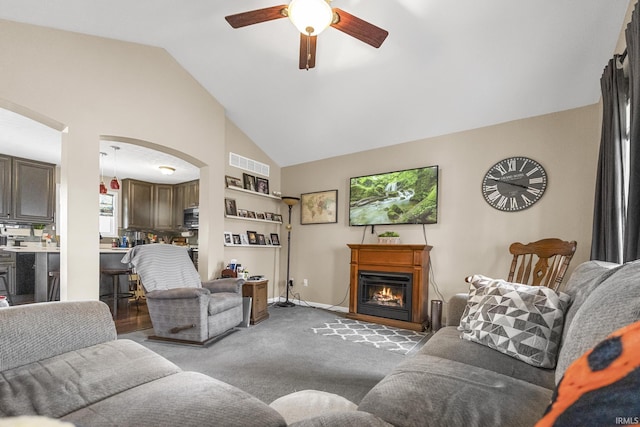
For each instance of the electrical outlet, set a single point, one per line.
(305, 282)
(291, 282)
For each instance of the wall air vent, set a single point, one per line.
(247, 164)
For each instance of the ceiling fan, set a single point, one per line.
(311, 17)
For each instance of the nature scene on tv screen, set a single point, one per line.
(403, 197)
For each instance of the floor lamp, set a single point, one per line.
(290, 202)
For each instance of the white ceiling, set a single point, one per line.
(447, 65)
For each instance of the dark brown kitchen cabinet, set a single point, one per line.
(5, 187)
(27, 190)
(148, 206)
(178, 208)
(137, 204)
(185, 195)
(191, 194)
(34, 189)
(163, 207)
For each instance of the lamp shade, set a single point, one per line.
(291, 201)
(310, 17)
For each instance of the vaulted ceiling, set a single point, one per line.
(446, 66)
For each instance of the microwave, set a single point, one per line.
(191, 218)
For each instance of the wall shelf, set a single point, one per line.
(241, 218)
(231, 245)
(254, 193)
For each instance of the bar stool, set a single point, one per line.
(54, 286)
(115, 277)
(4, 274)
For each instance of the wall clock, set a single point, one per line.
(514, 184)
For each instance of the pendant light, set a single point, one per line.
(103, 188)
(115, 185)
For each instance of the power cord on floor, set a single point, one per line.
(306, 303)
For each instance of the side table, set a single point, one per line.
(257, 290)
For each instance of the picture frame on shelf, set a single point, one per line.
(236, 239)
(261, 239)
(230, 207)
(260, 215)
(262, 185)
(253, 237)
(268, 216)
(243, 213)
(320, 207)
(249, 182)
(232, 181)
(228, 238)
(251, 214)
(277, 217)
(244, 239)
(275, 239)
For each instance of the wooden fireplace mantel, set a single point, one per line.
(413, 259)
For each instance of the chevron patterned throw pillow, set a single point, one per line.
(521, 321)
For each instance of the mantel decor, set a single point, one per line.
(389, 238)
(319, 208)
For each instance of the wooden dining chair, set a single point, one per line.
(541, 263)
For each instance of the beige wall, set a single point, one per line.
(95, 87)
(470, 236)
(258, 260)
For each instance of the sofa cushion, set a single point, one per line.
(427, 390)
(584, 279)
(30, 335)
(185, 399)
(601, 387)
(518, 320)
(446, 343)
(65, 383)
(614, 303)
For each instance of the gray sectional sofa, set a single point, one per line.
(62, 360)
(76, 370)
(454, 382)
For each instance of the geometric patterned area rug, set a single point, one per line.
(401, 341)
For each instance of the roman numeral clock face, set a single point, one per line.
(514, 184)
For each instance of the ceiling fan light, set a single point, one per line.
(310, 17)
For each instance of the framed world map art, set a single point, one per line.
(320, 207)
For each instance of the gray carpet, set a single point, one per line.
(282, 355)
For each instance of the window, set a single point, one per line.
(109, 214)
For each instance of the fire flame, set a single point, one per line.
(386, 296)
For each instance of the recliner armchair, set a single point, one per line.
(182, 308)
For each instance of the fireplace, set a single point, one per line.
(385, 294)
(389, 284)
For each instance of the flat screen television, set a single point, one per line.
(407, 196)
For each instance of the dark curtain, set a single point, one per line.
(607, 240)
(632, 227)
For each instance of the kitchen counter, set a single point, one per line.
(50, 256)
(54, 249)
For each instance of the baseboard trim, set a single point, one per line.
(337, 308)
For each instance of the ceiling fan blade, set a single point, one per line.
(256, 16)
(360, 29)
(307, 51)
